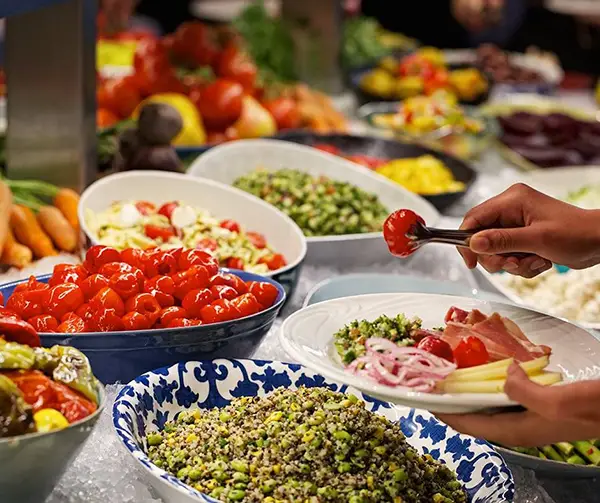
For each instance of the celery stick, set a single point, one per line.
(551, 453)
(588, 451)
(575, 459)
(564, 448)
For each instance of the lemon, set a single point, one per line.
(49, 420)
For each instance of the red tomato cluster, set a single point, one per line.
(137, 290)
(215, 72)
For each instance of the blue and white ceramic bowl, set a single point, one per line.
(144, 405)
(121, 356)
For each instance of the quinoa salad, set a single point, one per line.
(310, 445)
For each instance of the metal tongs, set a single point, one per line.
(420, 235)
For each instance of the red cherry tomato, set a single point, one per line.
(235, 263)
(145, 304)
(133, 257)
(63, 299)
(159, 263)
(136, 321)
(236, 65)
(108, 299)
(158, 232)
(194, 44)
(274, 261)
(229, 280)
(285, 112)
(195, 300)
(436, 346)
(219, 311)
(44, 323)
(149, 49)
(265, 293)
(145, 207)
(183, 322)
(439, 80)
(99, 255)
(470, 352)
(246, 304)
(71, 324)
(66, 273)
(167, 209)
(126, 284)
(104, 320)
(397, 229)
(230, 225)
(191, 257)
(207, 244)
(122, 96)
(91, 285)
(195, 278)
(223, 292)
(168, 314)
(219, 103)
(257, 240)
(416, 65)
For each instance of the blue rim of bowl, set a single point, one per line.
(246, 276)
(102, 400)
(127, 390)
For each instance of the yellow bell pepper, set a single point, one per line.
(192, 133)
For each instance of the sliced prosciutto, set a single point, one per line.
(501, 336)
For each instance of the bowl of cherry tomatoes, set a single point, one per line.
(134, 311)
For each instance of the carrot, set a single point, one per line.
(58, 228)
(5, 205)
(15, 254)
(27, 231)
(67, 200)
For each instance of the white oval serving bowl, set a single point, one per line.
(220, 200)
(307, 336)
(228, 162)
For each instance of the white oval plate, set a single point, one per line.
(228, 162)
(220, 200)
(307, 336)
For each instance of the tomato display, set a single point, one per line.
(131, 290)
(219, 103)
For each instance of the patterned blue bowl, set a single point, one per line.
(122, 356)
(146, 403)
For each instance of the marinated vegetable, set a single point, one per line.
(424, 175)
(574, 453)
(312, 444)
(320, 206)
(140, 224)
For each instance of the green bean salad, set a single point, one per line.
(309, 445)
(320, 206)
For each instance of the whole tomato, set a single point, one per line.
(439, 80)
(436, 346)
(246, 304)
(195, 300)
(105, 118)
(285, 112)
(123, 96)
(159, 263)
(107, 300)
(219, 103)
(194, 44)
(99, 255)
(470, 352)
(136, 321)
(63, 299)
(236, 65)
(91, 285)
(44, 323)
(416, 65)
(265, 293)
(147, 50)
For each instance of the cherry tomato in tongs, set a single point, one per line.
(15, 330)
(405, 232)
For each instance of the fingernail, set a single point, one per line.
(512, 369)
(510, 266)
(539, 264)
(479, 243)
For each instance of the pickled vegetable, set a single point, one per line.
(16, 416)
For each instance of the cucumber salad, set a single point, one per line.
(141, 224)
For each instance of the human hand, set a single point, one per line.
(476, 15)
(554, 414)
(522, 219)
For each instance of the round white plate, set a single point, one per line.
(307, 336)
(228, 162)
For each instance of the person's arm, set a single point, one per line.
(522, 219)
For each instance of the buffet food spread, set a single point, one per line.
(159, 287)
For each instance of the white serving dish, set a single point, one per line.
(228, 162)
(307, 336)
(221, 200)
